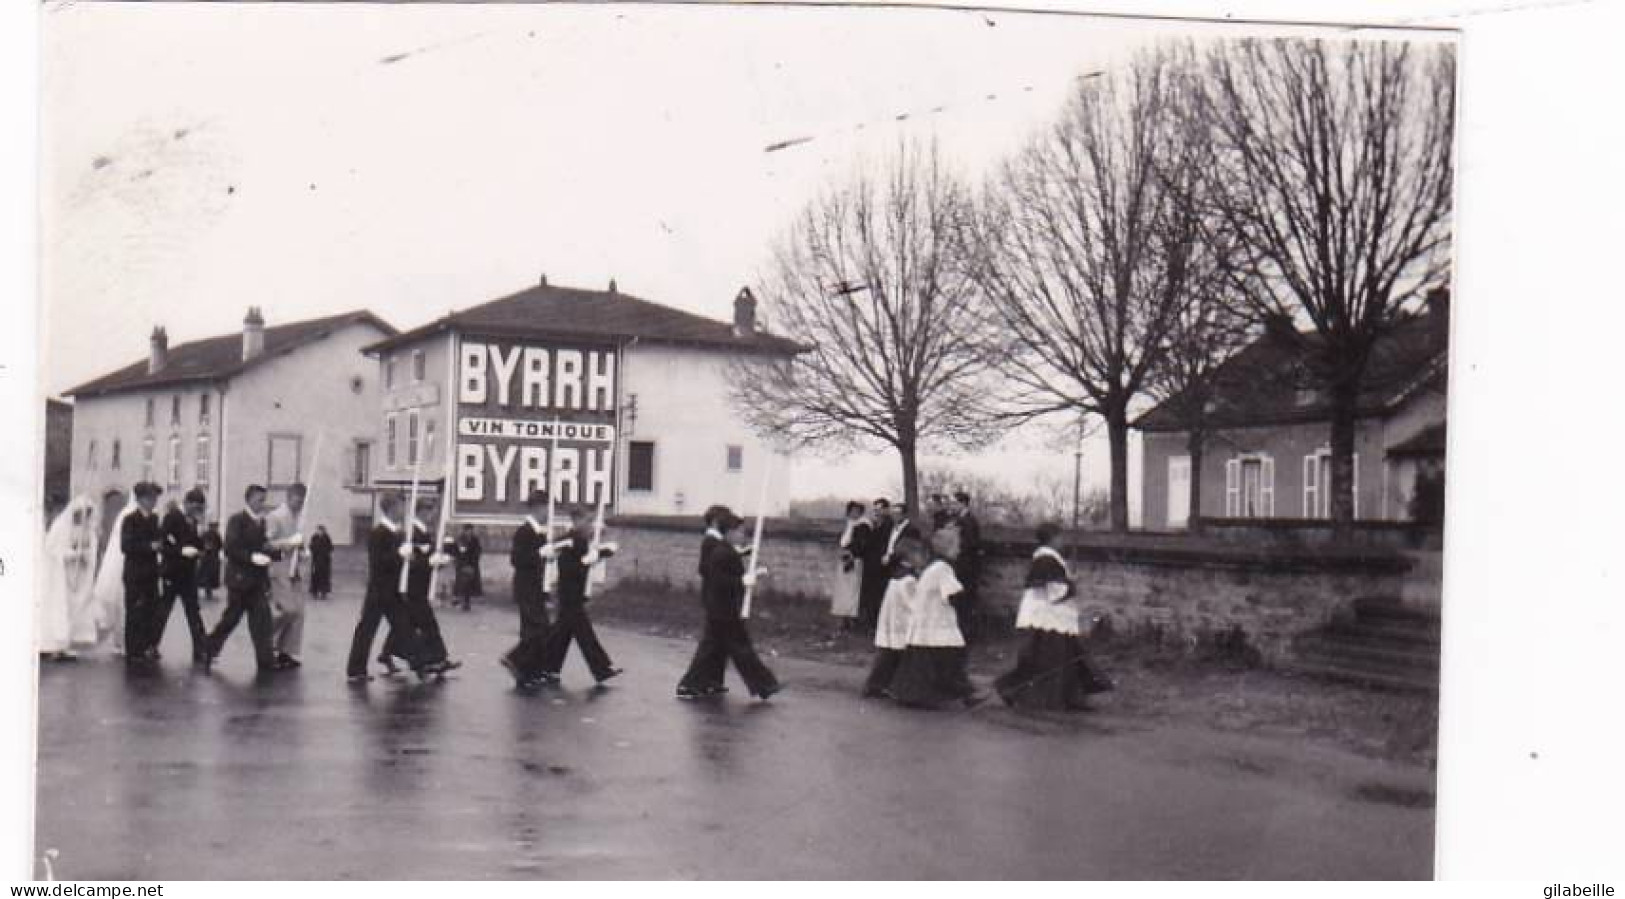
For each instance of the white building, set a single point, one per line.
(637, 393)
(269, 405)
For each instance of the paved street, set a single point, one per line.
(187, 776)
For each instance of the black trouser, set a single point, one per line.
(186, 592)
(573, 624)
(532, 603)
(140, 603)
(725, 639)
(871, 592)
(423, 625)
(382, 606)
(255, 602)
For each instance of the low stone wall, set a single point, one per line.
(1182, 588)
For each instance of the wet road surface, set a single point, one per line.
(190, 776)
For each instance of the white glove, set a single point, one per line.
(260, 559)
(590, 559)
(607, 549)
(750, 579)
(405, 550)
(439, 559)
(549, 552)
(295, 540)
(189, 552)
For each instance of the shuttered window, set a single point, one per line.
(640, 466)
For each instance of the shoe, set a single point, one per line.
(286, 662)
(974, 700)
(358, 678)
(767, 694)
(689, 693)
(612, 672)
(389, 665)
(717, 690)
(450, 665)
(519, 680)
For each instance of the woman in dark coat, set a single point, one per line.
(466, 584)
(321, 564)
(208, 567)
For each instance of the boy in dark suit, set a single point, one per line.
(529, 553)
(183, 546)
(249, 555)
(726, 637)
(576, 557)
(387, 551)
(141, 539)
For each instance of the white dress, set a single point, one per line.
(932, 621)
(109, 590)
(891, 630)
(67, 611)
(843, 600)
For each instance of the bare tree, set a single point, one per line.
(1334, 167)
(869, 278)
(1086, 251)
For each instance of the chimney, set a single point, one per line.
(744, 313)
(611, 285)
(1438, 314)
(253, 333)
(544, 279)
(160, 351)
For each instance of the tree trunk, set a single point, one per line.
(1345, 398)
(911, 477)
(1194, 444)
(1117, 435)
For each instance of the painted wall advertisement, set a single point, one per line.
(525, 408)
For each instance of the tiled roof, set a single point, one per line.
(218, 358)
(1267, 383)
(612, 316)
(1429, 441)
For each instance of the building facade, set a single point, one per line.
(272, 405)
(602, 396)
(1266, 451)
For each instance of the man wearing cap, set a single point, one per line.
(141, 539)
(249, 555)
(282, 529)
(183, 545)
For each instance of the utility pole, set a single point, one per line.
(1077, 477)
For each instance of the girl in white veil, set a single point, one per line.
(110, 582)
(67, 612)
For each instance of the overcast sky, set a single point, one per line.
(311, 159)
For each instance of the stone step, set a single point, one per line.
(1366, 678)
(1404, 660)
(1401, 634)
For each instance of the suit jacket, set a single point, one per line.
(571, 589)
(180, 531)
(525, 554)
(245, 536)
(874, 545)
(723, 587)
(383, 562)
(138, 536)
(417, 576)
(969, 563)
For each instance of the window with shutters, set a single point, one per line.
(203, 409)
(1249, 486)
(175, 457)
(118, 448)
(361, 463)
(419, 366)
(90, 456)
(640, 466)
(412, 437)
(428, 439)
(391, 424)
(175, 411)
(1317, 484)
(202, 462)
(149, 449)
(152, 412)
(736, 459)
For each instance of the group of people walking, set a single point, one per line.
(153, 562)
(912, 584)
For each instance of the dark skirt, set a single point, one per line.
(882, 672)
(467, 582)
(208, 572)
(321, 575)
(1052, 672)
(928, 676)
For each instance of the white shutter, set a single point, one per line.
(1232, 488)
(1266, 487)
(1311, 484)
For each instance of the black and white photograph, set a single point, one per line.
(741, 442)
